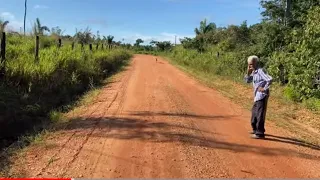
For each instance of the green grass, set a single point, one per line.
(281, 111)
(55, 119)
(32, 91)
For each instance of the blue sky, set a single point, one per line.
(131, 19)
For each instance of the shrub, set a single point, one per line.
(291, 94)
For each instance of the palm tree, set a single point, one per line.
(204, 28)
(38, 29)
(201, 32)
(3, 25)
(110, 40)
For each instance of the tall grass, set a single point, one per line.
(232, 66)
(31, 89)
(227, 64)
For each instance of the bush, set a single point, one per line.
(291, 94)
(30, 89)
(312, 104)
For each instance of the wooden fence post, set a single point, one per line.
(3, 54)
(102, 46)
(97, 46)
(281, 74)
(72, 45)
(3, 47)
(37, 49)
(59, 43)
(90, 47)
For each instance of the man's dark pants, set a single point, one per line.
(259, 110)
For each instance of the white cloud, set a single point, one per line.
(14, 24)
(161, 37)
(40, 7)
(7, 16)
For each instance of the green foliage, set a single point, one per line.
(110, 39)
(30, 91)
(83, 37)
(312, 103)
(38, 29)
(138, 42)
(305, 60)
(291, 94)
(287, 42)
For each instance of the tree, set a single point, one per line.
(287, 12)
(56, 32)
(38, 29)
(305, 60)
(200, 40)
(110, 40)
(153, 43)
(165, 45)
(104, 39)
(204, 28)
(138, 42)
(83, 37)
(274, 11)
(3, 25)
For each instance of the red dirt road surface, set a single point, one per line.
(154, 121)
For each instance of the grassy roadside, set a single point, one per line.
(303, 124)
(55, 118)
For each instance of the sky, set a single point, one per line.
(128, 20)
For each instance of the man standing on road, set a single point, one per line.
(261, 83)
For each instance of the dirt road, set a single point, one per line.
(155, 121)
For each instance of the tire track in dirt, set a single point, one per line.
(113, 108)
(92, 111)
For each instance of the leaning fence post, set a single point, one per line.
(37, 49)
(90, 47)
(3, 54)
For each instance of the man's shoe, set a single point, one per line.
(255, 136)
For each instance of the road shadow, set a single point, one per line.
(163, 132)
(184, 115)
(292, 141)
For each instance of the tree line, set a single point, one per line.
(286, 40)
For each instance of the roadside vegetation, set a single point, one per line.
(286, 41)
(39, 79)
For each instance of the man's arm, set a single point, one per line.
(248, 78)
(265, 77)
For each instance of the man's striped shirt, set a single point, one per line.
(260, 79)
